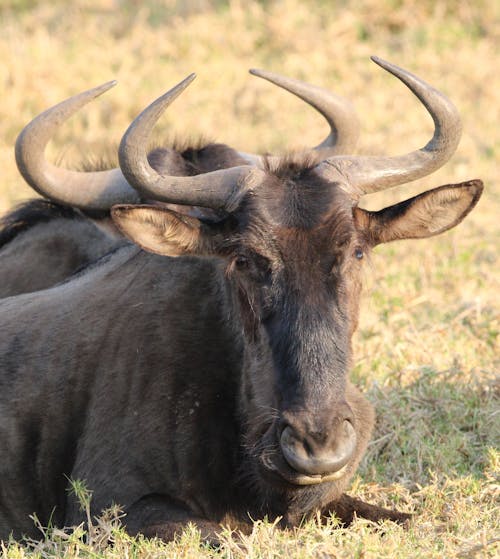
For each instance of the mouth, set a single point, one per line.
(274, 463)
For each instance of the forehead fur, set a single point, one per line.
(293, 196)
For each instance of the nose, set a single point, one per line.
(313, 451)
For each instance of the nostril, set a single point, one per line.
(294, 451)
(348, 439)
(349, 416)
(312, 458)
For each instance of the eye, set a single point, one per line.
(253, 266)
(358, 253)
(241, 262)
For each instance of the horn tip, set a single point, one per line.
(99, 90)
(105, 86)
(262, 73)
(269, 76)
(404, 75)
(186, 81)
(171, 94)
(380, 61)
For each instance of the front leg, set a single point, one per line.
(159, 516)
(162, 517)
(346, 508)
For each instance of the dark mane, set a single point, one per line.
(30, 213)
(212, 156)
(183, 145)
(292, 165)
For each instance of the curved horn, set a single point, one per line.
(220, 189)
(338, 112)
(370, 174)
(85, 190)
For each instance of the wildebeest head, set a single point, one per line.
(293, 240)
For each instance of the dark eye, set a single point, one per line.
(358, 253)
(241, 262)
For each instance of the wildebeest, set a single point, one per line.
(211, 383)
(43, 243)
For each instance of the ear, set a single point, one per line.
(425, 215)
(163, 231)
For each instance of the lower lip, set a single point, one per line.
(301, 479)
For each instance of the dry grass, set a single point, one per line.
(426, 350)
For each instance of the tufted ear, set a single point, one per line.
(164, 231)
(425, 215)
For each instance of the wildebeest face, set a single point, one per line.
(293, 257)
(296, 262)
